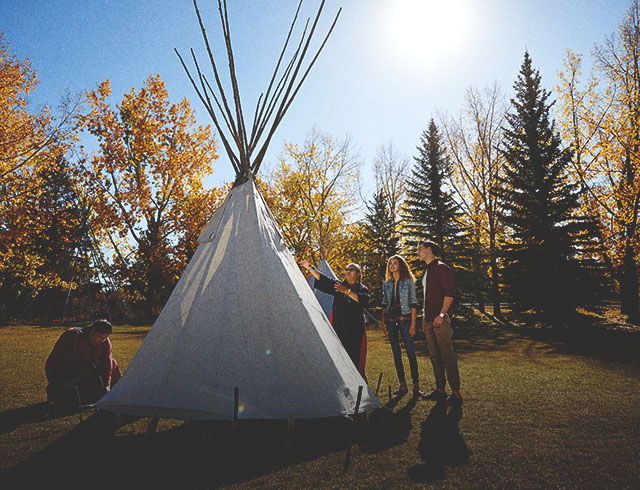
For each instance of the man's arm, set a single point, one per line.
(362, 296)
(103, 365)
(446, 304)
(62, 351)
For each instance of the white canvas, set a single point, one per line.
(242, 315)
(325, 300)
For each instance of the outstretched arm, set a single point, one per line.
(310, 268)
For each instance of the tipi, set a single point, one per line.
(325, 300)
(242, 334)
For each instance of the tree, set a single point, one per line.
(380, 241)
(390, 170)
(41, 243)
(25, 134)
(602, 121)
(540, 204)
(473, 142)
(37, 216)
(149, 168)
(312, 194)
(430, 211)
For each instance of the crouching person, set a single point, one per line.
(80, 368)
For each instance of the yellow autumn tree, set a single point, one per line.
(312, 194)
(146, 184)
(37, 215)
(601, 119)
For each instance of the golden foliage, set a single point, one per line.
(32, 150)
(146, 180)
(601, 119)
(312, 194)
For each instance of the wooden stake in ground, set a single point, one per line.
(379, 381)
(236, 402)
(347, 458)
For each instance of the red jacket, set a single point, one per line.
(73, 356)
(439, 284)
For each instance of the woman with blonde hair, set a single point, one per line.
(399, 317)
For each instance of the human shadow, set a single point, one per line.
(441, 444)
(390, 428)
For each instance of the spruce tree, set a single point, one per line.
(541, 256)
(381, 242)
(430, 211)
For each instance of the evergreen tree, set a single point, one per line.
(380, 243)
(546, 238)
(430, 211)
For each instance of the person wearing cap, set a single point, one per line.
(439, 291)
(81, 368)
(351, 297)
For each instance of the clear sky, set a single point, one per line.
(388, 68)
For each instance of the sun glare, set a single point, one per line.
(424, 32)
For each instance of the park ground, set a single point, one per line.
(542, 409)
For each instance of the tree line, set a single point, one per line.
(539, 216)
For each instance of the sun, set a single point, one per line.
(424, 32)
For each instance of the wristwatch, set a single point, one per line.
(441, 315)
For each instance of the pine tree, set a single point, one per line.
(541, 257)
(430, 211)
(380, 243)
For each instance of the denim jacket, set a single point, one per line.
(407, 292)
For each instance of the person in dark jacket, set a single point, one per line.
(439, 291)
(81, 368)
(351, 297)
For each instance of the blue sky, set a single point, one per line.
(388, 68)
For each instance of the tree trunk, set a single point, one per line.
(629, 285)
(495, 273)
(478, 271)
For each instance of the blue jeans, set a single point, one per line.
(394, 329)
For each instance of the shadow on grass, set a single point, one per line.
(391, 428)
(206, 455)
(34, 413)
(441, 444)
(582, 336)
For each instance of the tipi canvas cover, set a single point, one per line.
(242, 315)
(325, 300)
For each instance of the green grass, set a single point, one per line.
(537, 414)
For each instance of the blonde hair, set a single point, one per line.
(405, 270)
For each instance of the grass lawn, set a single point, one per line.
(538, 413)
